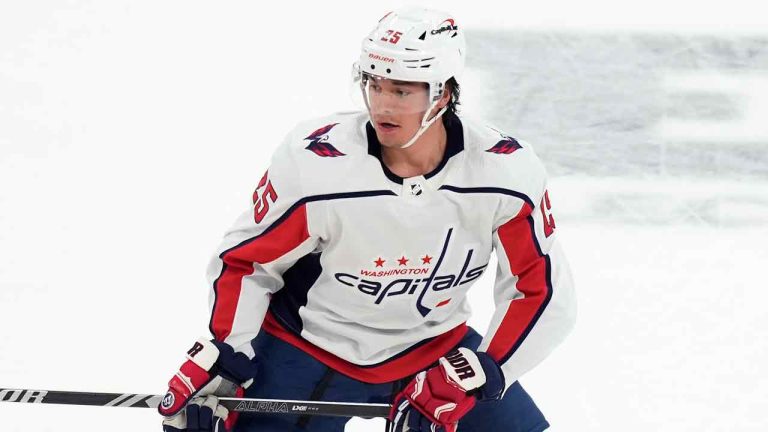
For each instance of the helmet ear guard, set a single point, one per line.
(436, 91)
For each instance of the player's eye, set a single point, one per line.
(403, 93)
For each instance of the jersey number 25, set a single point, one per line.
(261, 203)
(546, 213)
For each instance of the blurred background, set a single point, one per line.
(133, 133)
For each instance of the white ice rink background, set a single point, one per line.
(133, 133)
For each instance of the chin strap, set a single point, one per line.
(425, 124)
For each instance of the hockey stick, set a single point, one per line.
(338, 409)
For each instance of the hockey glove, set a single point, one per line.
(212, 368)
(202, 414)
(437, 398)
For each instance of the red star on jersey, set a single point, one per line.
(426, 260)
(380, 262)
(403, 261)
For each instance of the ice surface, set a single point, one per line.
(132, 134)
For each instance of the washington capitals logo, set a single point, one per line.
(318, 142)
(508, 145)
(430, 286)
(447, 25)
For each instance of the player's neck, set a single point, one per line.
(420, 158)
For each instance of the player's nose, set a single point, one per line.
(383, 107)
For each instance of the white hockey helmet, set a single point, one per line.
(417, 45)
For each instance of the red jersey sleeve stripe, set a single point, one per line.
(534, 272)
(238, 263)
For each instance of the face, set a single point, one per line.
(397, 108)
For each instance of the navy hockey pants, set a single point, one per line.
(285, 372)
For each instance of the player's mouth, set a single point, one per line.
(387, 127)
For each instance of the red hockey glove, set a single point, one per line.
(436, 399)
(212, 368)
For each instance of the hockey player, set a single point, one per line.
(347, 278)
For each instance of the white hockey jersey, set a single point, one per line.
(368, 272)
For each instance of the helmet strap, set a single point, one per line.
(425, 124)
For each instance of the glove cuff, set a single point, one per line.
(494, 386)
(234, 366)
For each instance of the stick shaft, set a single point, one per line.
(130, 400)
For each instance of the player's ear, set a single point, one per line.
(445, 98)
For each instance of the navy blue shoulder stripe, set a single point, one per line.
(489, 190)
